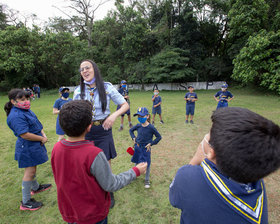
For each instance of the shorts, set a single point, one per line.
(102, 139)
(127, 112)
(190, 109)
(156, 110)
(222, 104)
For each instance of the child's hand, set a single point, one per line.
(142, 167)
(148, 147)
(44, 140)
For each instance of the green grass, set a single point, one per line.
(134, 204)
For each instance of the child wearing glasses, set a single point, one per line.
(144, 140)
(224, 180)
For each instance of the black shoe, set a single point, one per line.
(161, 122)
(42, 187)
(121, 128)
(112, 200)
(130, 125)
(147, 184)
(31, 205)
(191, 121)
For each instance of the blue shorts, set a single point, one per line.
(156, 110)
(222, 104)
(190, 109)
(127, 112)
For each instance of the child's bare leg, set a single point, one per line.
(153, 119)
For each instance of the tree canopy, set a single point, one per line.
(147, 41)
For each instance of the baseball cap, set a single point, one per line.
(62, 88)
(123, 81)
(224, 85)
(190, 86)
(142, 111)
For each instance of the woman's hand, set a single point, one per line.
(108, 123)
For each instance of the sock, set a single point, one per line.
(35, 184)
(147, 176)
(26, 187)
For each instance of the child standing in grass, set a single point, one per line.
(190, 99)
(223, 96)
(156, 106)
(81, 171)
(30, 149)
(144, 140)
(64, 98)
(123, 90)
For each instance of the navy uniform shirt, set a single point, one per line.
(192, 96)
(145, 134)
(223, 95)
(157, 100)
(205, 195)
(27, 153)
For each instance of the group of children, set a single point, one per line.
(228, 179)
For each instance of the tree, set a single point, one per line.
(170, 65)
(245, 19)
(259, 61)
(85, 10)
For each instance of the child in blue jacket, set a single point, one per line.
(144, 140)
(30, 149)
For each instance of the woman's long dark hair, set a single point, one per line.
(99, 85)
(15, 94)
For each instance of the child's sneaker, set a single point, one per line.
(31, 205)
(147, 184)
(191, 121)
(153, 123)
(121, 128)
(130, 125)
(161, 122)
(42, 187)
(186, 121)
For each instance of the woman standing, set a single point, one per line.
(100, 94)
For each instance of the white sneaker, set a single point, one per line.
(147, 184)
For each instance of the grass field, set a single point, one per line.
(134, 203)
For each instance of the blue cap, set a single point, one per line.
(123, 81)
(62, 88)
(224, 85)
(142, 111)
(190, 86)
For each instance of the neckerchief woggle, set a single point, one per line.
(245, 199)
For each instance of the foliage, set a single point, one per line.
(259, 61)
(170, 65)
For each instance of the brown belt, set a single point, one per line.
(97, 122)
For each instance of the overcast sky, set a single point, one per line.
(44, 8)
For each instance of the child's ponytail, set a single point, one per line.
(8, 106)
(13, 95)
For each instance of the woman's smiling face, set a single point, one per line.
(87, 71)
